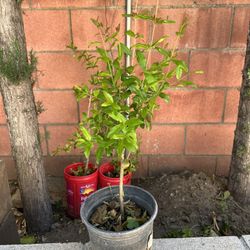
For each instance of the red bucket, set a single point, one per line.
(78, 188)
(105, 181)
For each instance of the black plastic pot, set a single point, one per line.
(137, 239)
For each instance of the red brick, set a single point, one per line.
(47, 30)
(60, 106)
(164, 164)
(84, 30)
(83, 106)
(141, 167)
(4, 142)
(162, 140)
(58, 136)
(2, 113)
(191, 106)
(184, 2)
(221, 68)
(240, 27)
(70, 3)
(54, 165)
(207, 27)
(60, 71)
(10, 166)
(25, 4)
(223, 165)
(209, 139)
(232, 103)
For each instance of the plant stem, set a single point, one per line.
(153, 34)
(88, 113)
(110, 68)
(121, 191)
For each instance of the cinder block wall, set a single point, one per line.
(195, 131)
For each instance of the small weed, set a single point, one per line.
(184, 233)
(223, 203)
(14, 64)
(28, 239)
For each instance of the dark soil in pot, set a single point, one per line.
(108, 217)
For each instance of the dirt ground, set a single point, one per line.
(190, 205)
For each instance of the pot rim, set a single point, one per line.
(122, 233)
(79, 164)
(112, 178)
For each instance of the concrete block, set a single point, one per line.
(8, 230)
(245, 239)
(204, 243)
(5, 196)
(48, 246)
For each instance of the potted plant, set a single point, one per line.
(111, 222)
(81, 178)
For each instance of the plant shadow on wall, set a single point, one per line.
(110, 125)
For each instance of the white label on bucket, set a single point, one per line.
(150, 241)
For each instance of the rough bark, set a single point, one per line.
(239, 178)
(23, 127)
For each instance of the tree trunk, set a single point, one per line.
(23, 126)
(239, 178)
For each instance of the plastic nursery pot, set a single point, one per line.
(78, 188)
(137, 239)
(105, 181)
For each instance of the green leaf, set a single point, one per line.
(103, 54)
(165, 97)
(163, 38)
(117, 117)
(108, 97)
(85, 133)
(106, 104)
(200, 72)
(87, 149)
(166, 53)
(178, 73)
(125, 49)
(133, 122)
(141, 46)
(118, 136)
(130, 69)
(80, 92)
(186, 84)
(141, 59)
(226, 195)
(114, 130)
(104, 74)
(182, 29)
(130, 33)
(132, 223)
(99, 154)
(130, 144)
(159, 20)
(96, 22)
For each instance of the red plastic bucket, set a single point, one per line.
(105, 181)
(78, 188)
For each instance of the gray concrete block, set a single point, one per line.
(5, 196)
(246, 241)
(8, 230)
(204, 243)
(47, 246)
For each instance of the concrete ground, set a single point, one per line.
(203, 243)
